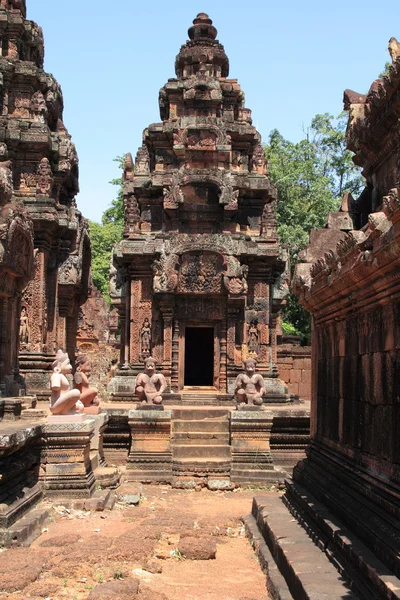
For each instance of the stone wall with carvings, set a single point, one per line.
(94, 338)
(351, 287)
(39, 175)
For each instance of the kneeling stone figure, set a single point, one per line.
(150, 385)
(249, 386)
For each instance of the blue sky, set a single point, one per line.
(293, 60)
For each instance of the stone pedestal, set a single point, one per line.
(251, 452)
(150, 456)
(276, 391)
(121, 388)
(19, 488)
(10, 409)
(66, 465)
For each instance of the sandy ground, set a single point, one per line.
(80, 552)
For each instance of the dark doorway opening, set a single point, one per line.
(199, 356)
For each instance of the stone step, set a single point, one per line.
(202, 437)
(199, 413)
(27, 529)
(31, 414)
(201, 451)
(201, 467)
(306, 570)
(210, 425)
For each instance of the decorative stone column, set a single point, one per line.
(150, 458)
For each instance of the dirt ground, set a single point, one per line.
(176, 545)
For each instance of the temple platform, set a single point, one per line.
(219, 447)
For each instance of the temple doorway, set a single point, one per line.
(199, 356)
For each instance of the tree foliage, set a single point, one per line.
(311, 177)
(104, 235)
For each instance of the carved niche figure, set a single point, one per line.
(81, 382)
(131, 215)
(24, 327)
(45, 177)
(113, 370)
(165, 274)
(249, 386)
(150, 385)
(235, 279)
(173, 195)
(228, 197)
(116, 280)
(258, 161)
(63, 400)
(38, 107)
(268, 220)
(142, 164)
(252, 338)
(145, 338)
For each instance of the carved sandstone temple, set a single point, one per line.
(198, 279)
(38, 181)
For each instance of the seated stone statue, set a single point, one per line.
(81, 382)
(150, 385)
(63, 400)
(249, 386)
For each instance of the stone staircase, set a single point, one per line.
(200, 444)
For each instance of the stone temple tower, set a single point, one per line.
(198, 279)
(44, 240)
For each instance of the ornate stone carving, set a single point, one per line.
(200, 274)
(235, 279)
(70, 271)
(253, 345)
(165, 273)
(38, 107)
(229, 197)
(145, 338)
(173, 195)
(258, 161)
(131, 215)
(142, 163)
(24, 327)
(44, 178)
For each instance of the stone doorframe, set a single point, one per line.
(216, 326)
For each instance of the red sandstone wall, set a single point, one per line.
(294, 364)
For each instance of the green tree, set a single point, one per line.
(311, 177)
(386, 69)
(104, 235)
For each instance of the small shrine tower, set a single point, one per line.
(198, 279)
